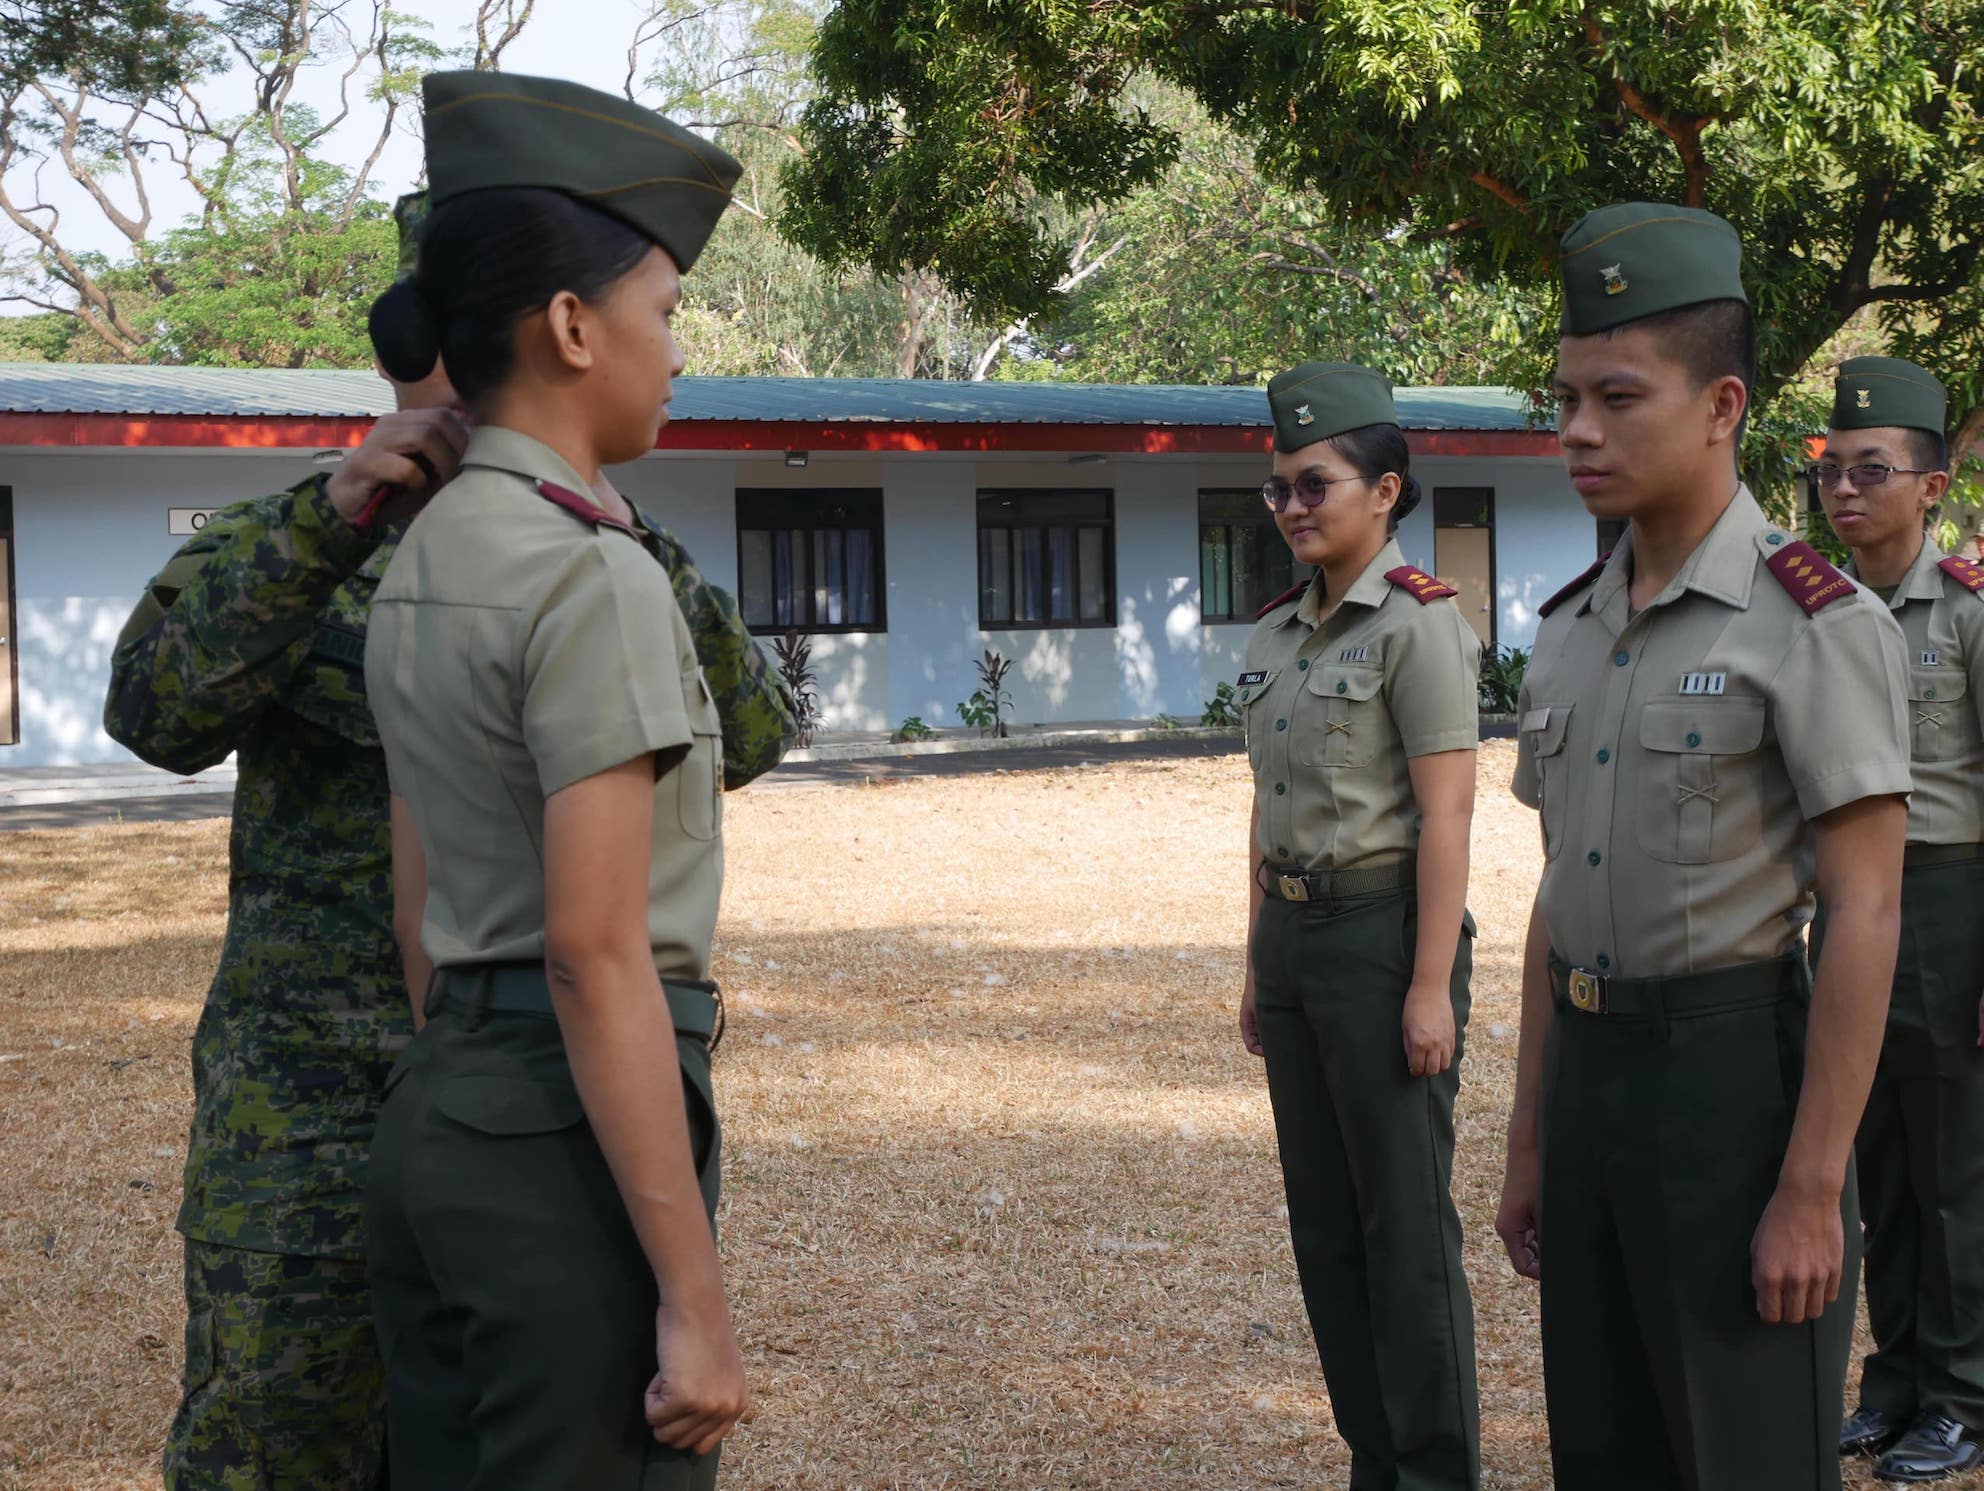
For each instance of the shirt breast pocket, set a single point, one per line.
(1942, 725)
(699, 779)
(1255, 712)
(1342, 720)
(1700, 801)
(1541, 734)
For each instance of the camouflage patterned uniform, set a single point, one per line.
(251, 641)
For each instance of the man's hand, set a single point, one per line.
(1516, 1219)
(1250, 1024)
(1797, 1255)
(417, 450)
(1428, 1030)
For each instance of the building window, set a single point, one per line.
(1045, 559)
(810, 561)
(1244, 561)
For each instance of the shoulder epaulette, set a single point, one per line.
(1293, 593)
(1806, 576)
(572, 502)
(1967, 573)
(1582, 582)
(1421, 586)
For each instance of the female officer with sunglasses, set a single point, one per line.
(1360, 696)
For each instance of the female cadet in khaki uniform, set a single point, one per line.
(1362, 712)
(550, 1307)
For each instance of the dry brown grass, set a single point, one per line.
(1002, 1209)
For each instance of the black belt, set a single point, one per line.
(1296, 884)
(694, 1005)
(1746, 986)
(1917, 855)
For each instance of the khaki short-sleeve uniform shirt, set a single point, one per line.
(517, 648)
(1336, 708)
(1677, 756)
(1942, 621)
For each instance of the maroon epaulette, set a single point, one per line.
(1293, 593)
(1967, 573)
(572, 502)
(1582, 582)
(1806, 577)
(1421, 586)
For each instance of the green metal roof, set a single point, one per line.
(114, 389)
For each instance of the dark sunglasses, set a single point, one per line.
(1275, 492)
(1825, 475)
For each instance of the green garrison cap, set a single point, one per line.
(1878, 392)
(1636, 259)
(1319, 399)
(487, 129)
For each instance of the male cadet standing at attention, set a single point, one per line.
(1711, 725)
(1921, 1143)
(252, 641)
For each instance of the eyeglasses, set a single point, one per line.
(1825, 475)
(1275, 492)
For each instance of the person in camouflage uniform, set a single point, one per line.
(251, 641)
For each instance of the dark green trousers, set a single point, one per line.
(1921, 1157)
(1662, 1140)
(515, 1308)
(1367, 1159)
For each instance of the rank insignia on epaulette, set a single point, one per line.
(1806, 577)
(1965, 572)
(573, 503)
(1421, 586)
(1293, 593)
(1582, 582)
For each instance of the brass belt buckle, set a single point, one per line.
(1294, 888)
(1587, 992)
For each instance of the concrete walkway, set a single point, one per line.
(42, 797)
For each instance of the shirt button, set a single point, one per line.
(1281, 789)
(1928, 693)
(1281, 724)
(1603, 755)
(1775, 538)
(1342, 686)
(1694, 738)
(1603, 962)
(1593, 858)
(1281, 851)
(1303, 666)
(1622, 658)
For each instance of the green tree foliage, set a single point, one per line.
(1218, 275)
(1845, 138)
(123, 48)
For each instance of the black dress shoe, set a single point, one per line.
(1935, 1449)
(1868, 1431)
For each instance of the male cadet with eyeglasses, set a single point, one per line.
(1712, 725)
(251, 640)
(1920, 1149)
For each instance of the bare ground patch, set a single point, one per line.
(1001, 1204)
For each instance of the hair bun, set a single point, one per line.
(404, 337)
(1409, 494)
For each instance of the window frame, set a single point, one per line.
(1076, 526)
(1297, 570)
(803, 501)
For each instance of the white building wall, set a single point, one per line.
(90, 529)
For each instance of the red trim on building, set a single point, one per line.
(294, 432)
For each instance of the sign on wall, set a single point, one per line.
(181, 521)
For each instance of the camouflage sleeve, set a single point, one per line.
(758, 727)
(224, 625)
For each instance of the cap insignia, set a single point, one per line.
(1615, 279)
(1304, 415)
(1865, 397)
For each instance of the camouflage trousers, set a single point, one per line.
(283, 1389)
